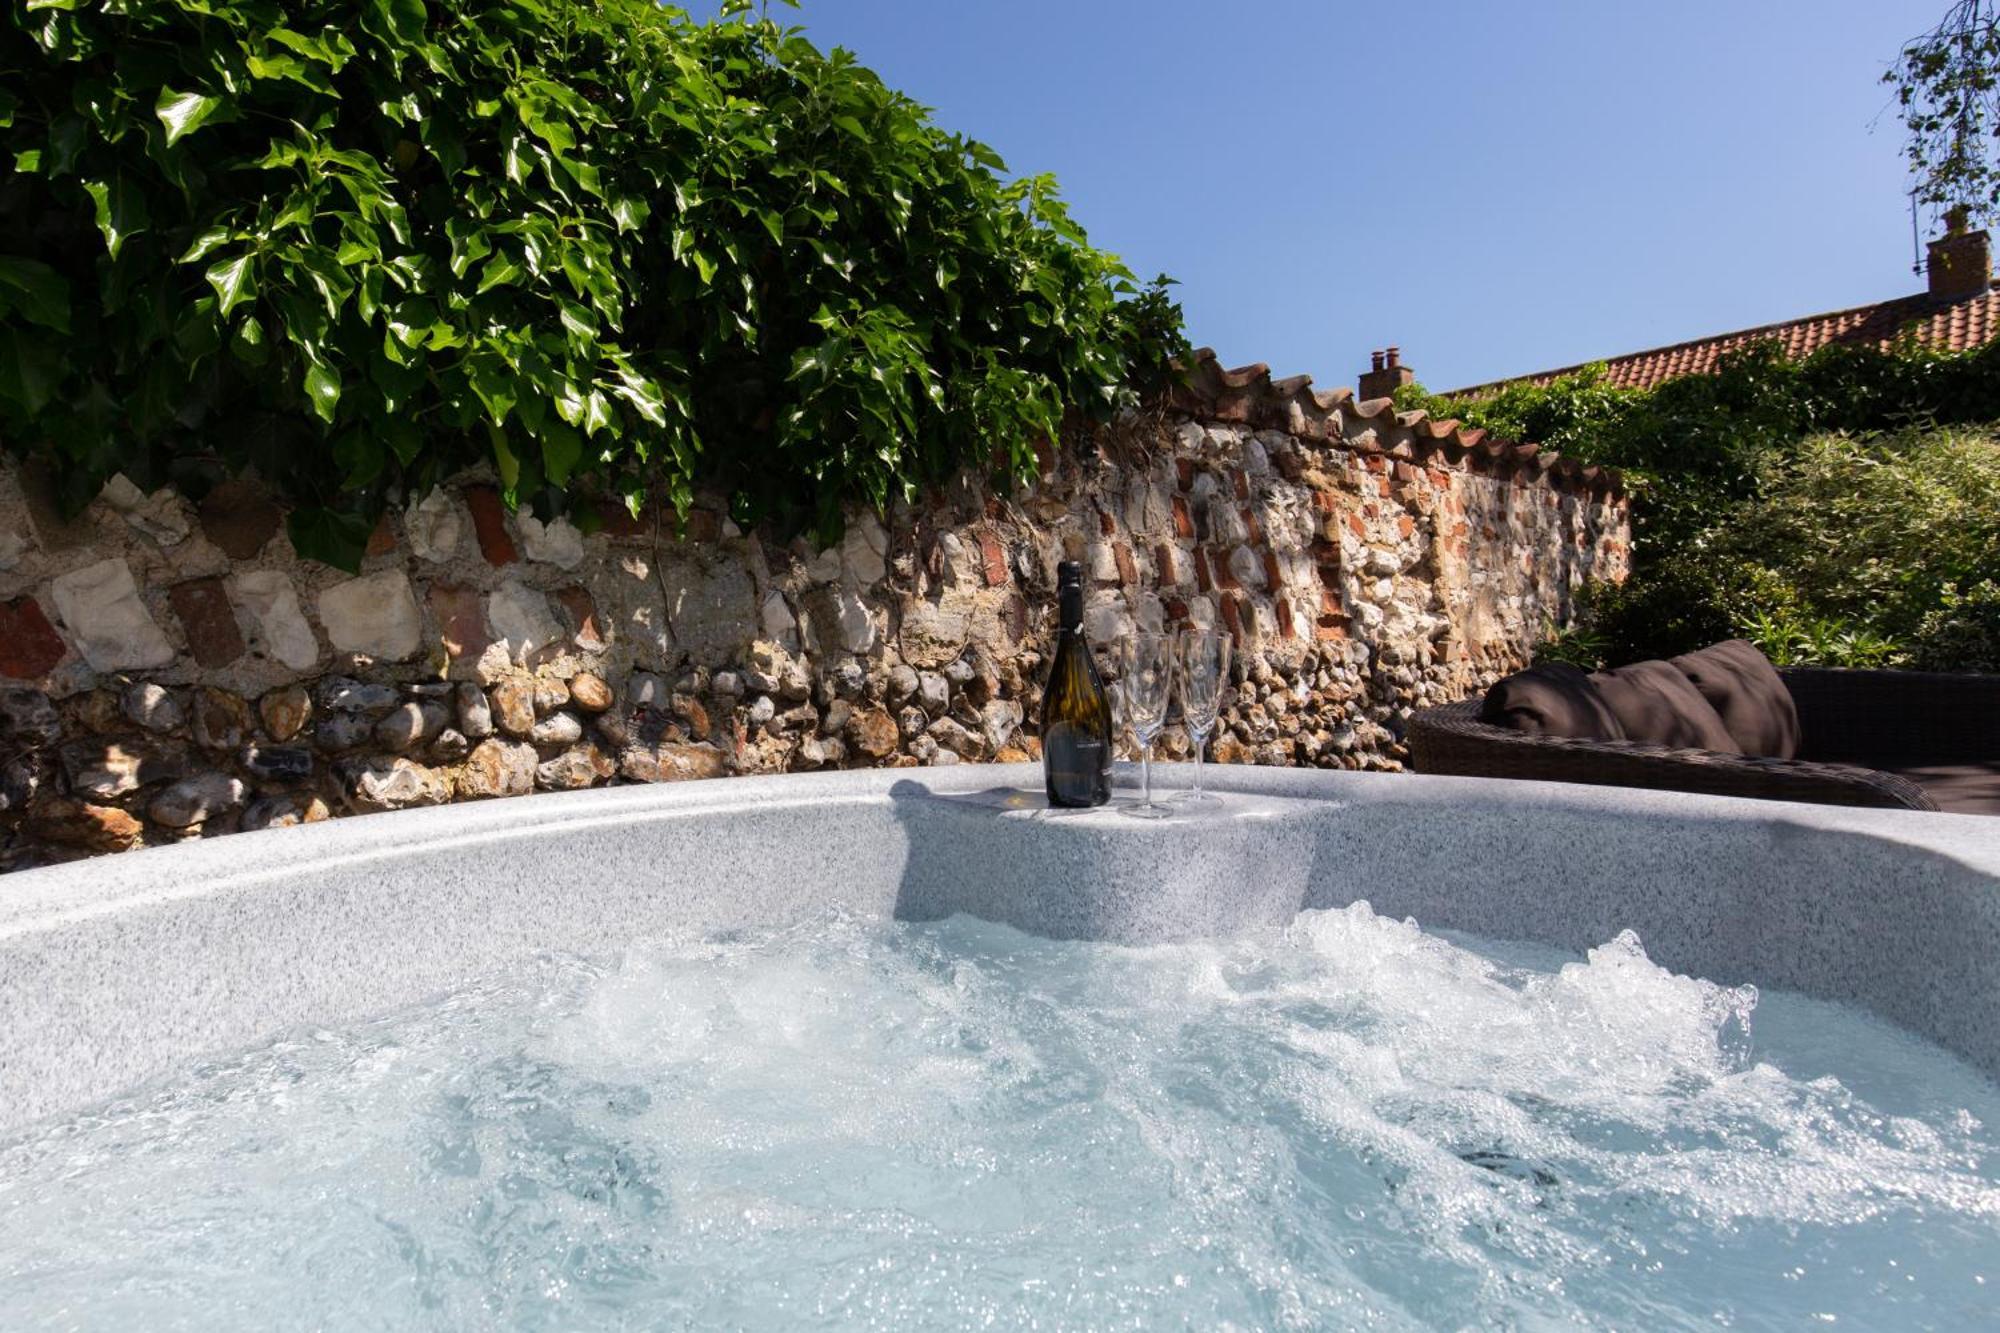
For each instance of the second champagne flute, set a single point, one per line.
(1204, 674)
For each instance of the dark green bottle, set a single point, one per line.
(1076, 712)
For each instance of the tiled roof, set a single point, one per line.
(1945, 327)
(1249, 395)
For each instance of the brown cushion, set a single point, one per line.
(1655, 703)
(1550, 699)
(1966, 789)
(1747, 693)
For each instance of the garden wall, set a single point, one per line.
(172, 670)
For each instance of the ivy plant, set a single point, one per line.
(618, 253)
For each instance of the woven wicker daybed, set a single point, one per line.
(1913, 740)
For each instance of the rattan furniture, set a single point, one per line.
(1871, 738)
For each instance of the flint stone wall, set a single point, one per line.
(172, 670)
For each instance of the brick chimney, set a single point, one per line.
(1385, 376)
(1960, 265)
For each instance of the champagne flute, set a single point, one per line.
(1145, 686)
(1203, 662)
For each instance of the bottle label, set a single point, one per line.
(1078, 765)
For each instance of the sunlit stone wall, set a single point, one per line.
(171, 669)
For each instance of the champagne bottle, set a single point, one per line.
(1076, 712)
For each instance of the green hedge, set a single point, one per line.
(1871, 551)
(1702, 438)
(1835, 510)
(357, 245)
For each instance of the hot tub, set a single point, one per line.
(627, 1056)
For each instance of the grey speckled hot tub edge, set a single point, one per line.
(115, 971)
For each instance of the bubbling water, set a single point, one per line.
(1347, 1123)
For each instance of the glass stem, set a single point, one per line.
(1200, 744)
(1146, 771)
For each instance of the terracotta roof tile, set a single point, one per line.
(1945, 328)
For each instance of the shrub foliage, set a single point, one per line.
(357, 245)
(1835, 510)
(1876, 551)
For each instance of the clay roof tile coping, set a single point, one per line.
(1249, 393)
(1242, 377)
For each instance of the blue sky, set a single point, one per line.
(1497, 187)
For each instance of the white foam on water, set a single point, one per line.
(1347, 1123)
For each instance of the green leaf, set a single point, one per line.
(494, 385)
(360, 455)
(500, 271)
(531, 408)
(985, 156)
(576, 319)
(397, 382)
(328, 49)
(294, 71)
(327, 277)
(562, 449)
(548, 129)
(329, 536)
(34, 291)
(643, 394)
(197, 333)
(206, 244)
(68, 134)
(121, 210)
(403, 438)
(518, 161)
(368, 294)
(323, 390)
(30, 369)
(569, 402)
(629, 212)
(304, 320)
(410, 323)
(400, 20)
(468, 246)
(585, 174)
(354, 250)
(184, 113)
(249, 343)
(233, 281)
(504, 461)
